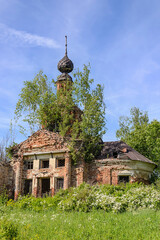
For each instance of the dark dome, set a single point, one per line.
(65, 65)
(64, 76)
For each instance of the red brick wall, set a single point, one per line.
(6, 178)
(107, 173)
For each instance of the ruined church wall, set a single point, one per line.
(6, 178)
(48, 145)
(107, 171)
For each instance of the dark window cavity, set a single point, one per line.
(45, 163)
(123, 179)
(60, 183)
(60, 162)
(115, 154)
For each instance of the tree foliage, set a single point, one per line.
(39, 104)
(139, 133)
(33, 96)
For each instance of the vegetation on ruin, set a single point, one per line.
(139, 133)
(39, 104)
(130, 211)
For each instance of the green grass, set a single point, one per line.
(130, 212)
(95, 225)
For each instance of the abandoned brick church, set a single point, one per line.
(42, 163)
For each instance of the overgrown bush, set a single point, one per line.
(8, 230)
(86, 198)
(111, 198)
(3, 197)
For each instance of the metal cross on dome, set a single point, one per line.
(66, 46)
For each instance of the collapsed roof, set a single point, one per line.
(120, 150)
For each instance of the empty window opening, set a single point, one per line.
(28, 186)
(60, 162)
(123, 179)
(60, 183)
(45, 163)
(45, 185)
(29, 164)
(115, 154)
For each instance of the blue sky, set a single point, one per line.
(120, 39)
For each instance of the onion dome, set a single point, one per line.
(65, 66)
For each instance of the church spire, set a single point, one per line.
(66, 46)
(65, 65)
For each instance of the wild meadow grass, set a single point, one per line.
(95, 225)
(86, 212)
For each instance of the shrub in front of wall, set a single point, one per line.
(36, 204)
(3, 197)
(86, 198)
(8, 230)
(113, 198)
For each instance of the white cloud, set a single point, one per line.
(10, 34)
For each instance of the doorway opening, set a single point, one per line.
(28, 186)
(45, 186)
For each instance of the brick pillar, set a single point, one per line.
(107, 175)
(67, 172)
(35, 186)
(52, 186)
(110, 176)
(17, 180)
(114, 177)
(39, 187)
(80, 173)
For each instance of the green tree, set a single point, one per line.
(139, 133)
(33, 95)
(92, 125)
(39, 104)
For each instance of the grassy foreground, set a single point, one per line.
(123, 212)
(95, 225)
